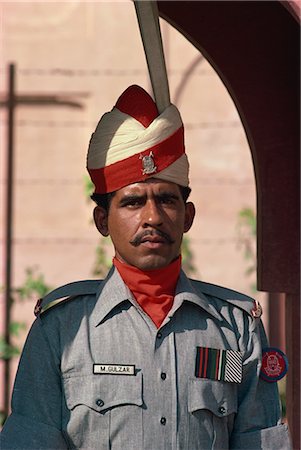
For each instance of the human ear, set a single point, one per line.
(189, 216)
(101, 220)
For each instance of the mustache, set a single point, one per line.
(138, 238)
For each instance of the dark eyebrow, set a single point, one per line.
(126, 199)
(167, 195)
(130, 198)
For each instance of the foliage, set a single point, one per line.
(102, 261)
(188, 257)
(34, 286)
(8, 351)
(88, 186)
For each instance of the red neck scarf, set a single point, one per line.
(154, 290)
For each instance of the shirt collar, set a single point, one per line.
(113, 291)
(186, 292)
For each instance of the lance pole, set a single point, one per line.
(148, 20)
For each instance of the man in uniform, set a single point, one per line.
(147, 358)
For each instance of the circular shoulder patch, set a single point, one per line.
(274, 364)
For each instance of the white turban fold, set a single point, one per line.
(134, 142)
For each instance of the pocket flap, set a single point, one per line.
(101, 392)
(216, 396)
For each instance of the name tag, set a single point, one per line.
(113, 369)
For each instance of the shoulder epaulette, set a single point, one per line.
(242, 301)
(65, 293)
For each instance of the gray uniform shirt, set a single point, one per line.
(148, 395)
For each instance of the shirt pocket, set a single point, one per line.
(212, 406)
(103, 406)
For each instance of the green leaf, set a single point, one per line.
(187, 257)
(33, 286)
(102, 262)
(248, 219)
(16, 327)
(7, 351)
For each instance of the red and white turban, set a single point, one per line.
(134, 142)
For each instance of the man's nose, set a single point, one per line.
(152, 214)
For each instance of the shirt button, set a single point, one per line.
(159, 335)
(222, 410)
(99, 402)
(163, 376)
(163, 420)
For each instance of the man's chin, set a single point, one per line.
(153, 262)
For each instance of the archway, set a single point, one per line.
(254, 47)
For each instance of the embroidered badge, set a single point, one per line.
(148, 164)
(38, 307)
(257, 310)
(113, 369)
(218, 364)
(274, 365)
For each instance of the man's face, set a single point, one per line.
(146, 222)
